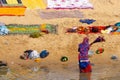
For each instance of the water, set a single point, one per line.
(66, 72)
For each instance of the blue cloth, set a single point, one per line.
(118, 30)
(44, 54)
(117, 24)
(83, 65)
(88, 21)
(3, 30)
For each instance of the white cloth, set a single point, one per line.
(34, 54)
(109, 29)
(84, 60)
(69, 4)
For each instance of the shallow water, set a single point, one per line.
(65, 72)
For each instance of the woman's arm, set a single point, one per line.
(91, 43)
(98, 39)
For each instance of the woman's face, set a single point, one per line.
(85, 40)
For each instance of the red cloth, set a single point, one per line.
(87, 69)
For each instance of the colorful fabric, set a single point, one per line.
(69, 4)
(28, 29)
(84, 63)
(83, 49)
(88, 29)
(85, 67)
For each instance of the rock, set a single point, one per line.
(3, 63)
(114, 57)
(3, 70)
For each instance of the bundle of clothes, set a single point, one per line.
(33, 54)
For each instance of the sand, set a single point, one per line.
(105, 12)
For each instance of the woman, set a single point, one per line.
(84, 63)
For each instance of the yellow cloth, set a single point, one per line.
(15, 11)
(37, 60)
(105, 31)
(34, 4)
(43, 27)
(12, 1)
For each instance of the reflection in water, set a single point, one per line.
(85, 76)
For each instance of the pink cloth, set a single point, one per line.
(69, 4)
